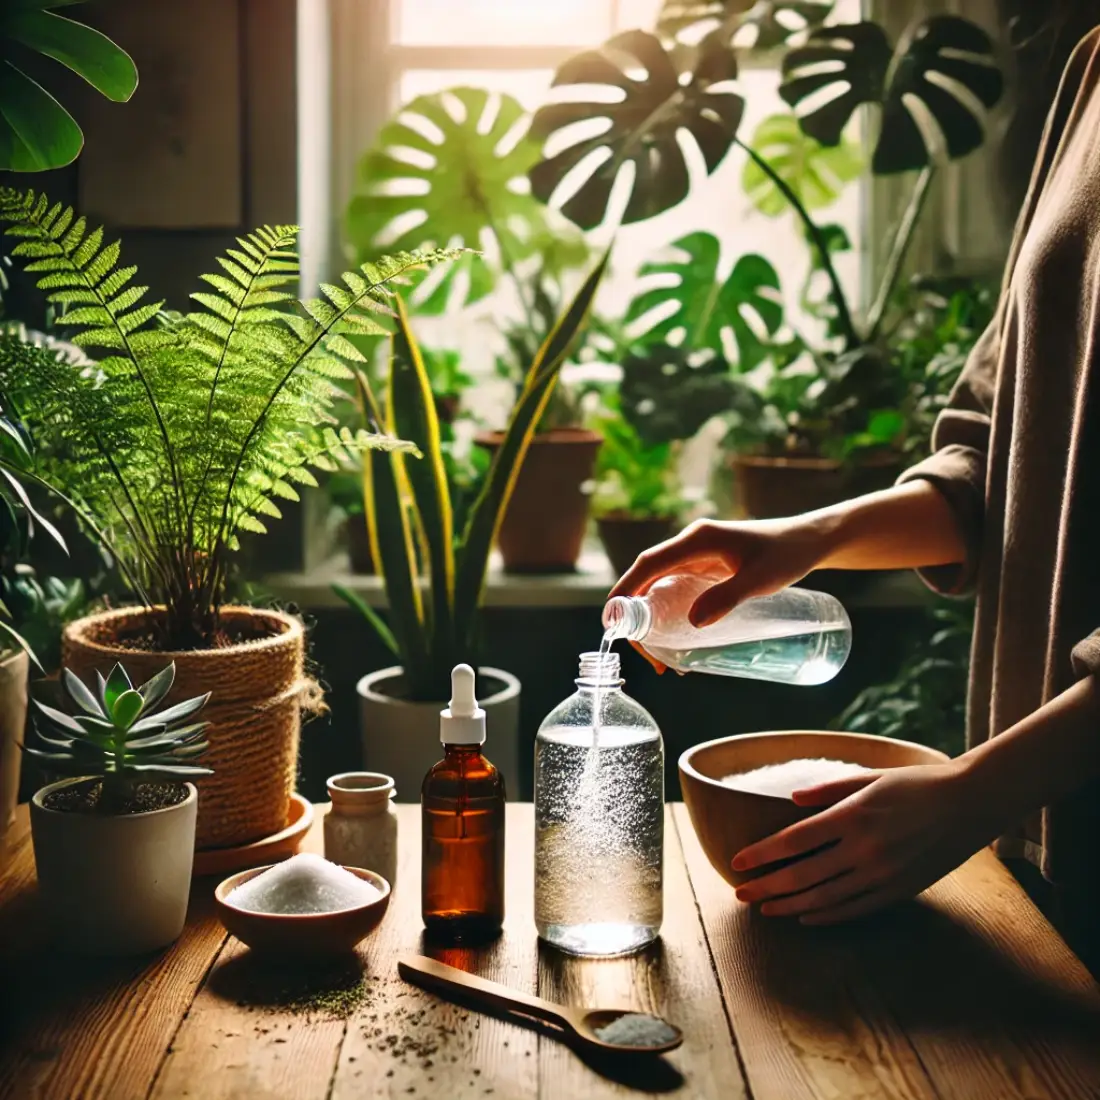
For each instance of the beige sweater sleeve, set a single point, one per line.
(957, 466)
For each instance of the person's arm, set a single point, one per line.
(889, 835)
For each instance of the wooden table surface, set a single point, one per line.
(966, 995)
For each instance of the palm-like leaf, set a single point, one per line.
(188, 430)
(815, 174)
(707, 312)
(935, 90)
(756, 24)
(659, 95)
(36, 131)
(450, 168)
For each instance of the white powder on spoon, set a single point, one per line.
(305, 883)
(637, 1029)
(782, 780)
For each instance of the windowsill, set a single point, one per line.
(587, 587)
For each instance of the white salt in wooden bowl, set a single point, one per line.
(302, 934)
(726, 819)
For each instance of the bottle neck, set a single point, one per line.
(454, 751)
(600, 671)
(627, 617)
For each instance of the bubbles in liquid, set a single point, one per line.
(599, 831)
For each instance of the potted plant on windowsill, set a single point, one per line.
(637, 498)
(114, 843)
(935, 90)
(434, 598)
(466, 182)
(181, 437)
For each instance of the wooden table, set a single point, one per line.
(967, 995)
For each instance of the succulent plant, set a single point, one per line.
(115, 733)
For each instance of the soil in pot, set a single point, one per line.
(624, 537)
(87, 798)
(544, 526)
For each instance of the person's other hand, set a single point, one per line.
(880, 838)
(746, 559)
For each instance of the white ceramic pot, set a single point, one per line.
(401, 739)
(114, 884)
(13, 717)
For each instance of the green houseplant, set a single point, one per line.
(435, 574)
(933, 92)
(36, 132)
(114, 844)
(454, 166)
(178, 442)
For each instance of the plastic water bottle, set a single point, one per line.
(793, 637)
(599, 818)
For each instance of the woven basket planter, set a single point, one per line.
(258, 687)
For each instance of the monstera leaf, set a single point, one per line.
(771, 22)
(36, 132)
(816, 173)
(935, 91)
(711, 314)
(669, 393)
(437, 172)
(658, 94)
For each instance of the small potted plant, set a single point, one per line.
(434, 595)
(114, 843)
(636, 493)
(177, 443)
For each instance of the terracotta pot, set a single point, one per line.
(401, 739)
(771, 488)
(358, 541)
(546, 519)
(258, 688)
(114, 884)
(625, 537)
(13, 719)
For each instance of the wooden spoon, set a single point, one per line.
(585, 1024)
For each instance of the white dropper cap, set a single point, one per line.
(463, 722)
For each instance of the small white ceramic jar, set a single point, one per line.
(361, 827)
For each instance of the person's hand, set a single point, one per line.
(884, 837)
(746, 559)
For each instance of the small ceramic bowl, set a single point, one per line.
(302, 934)
(726, 820)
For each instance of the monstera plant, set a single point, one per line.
(932, 93)
(36, 131)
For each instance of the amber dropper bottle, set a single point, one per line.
(462, 809)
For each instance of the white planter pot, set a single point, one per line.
(114, 884)
(401, 739)
(13, 717)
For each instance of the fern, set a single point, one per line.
(190, 429)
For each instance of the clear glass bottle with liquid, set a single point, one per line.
(796, 636)
(599, 818)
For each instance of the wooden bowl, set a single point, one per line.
(726, 820)
(302, 934)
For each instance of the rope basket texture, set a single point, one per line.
(258, 688)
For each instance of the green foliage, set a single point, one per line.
(631, 478)
(708, 313)
(926, 700)
(190, 428)
(36, 132)
(757, 24)
(815, 173)
(658, 92)
(943, 72)
(118, 733)
(40, 609)
(435, 572)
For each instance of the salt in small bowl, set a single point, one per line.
(302, 934)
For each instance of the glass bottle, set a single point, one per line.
(599, 818)
(361, 827)
(792, 637)
(462, 811)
